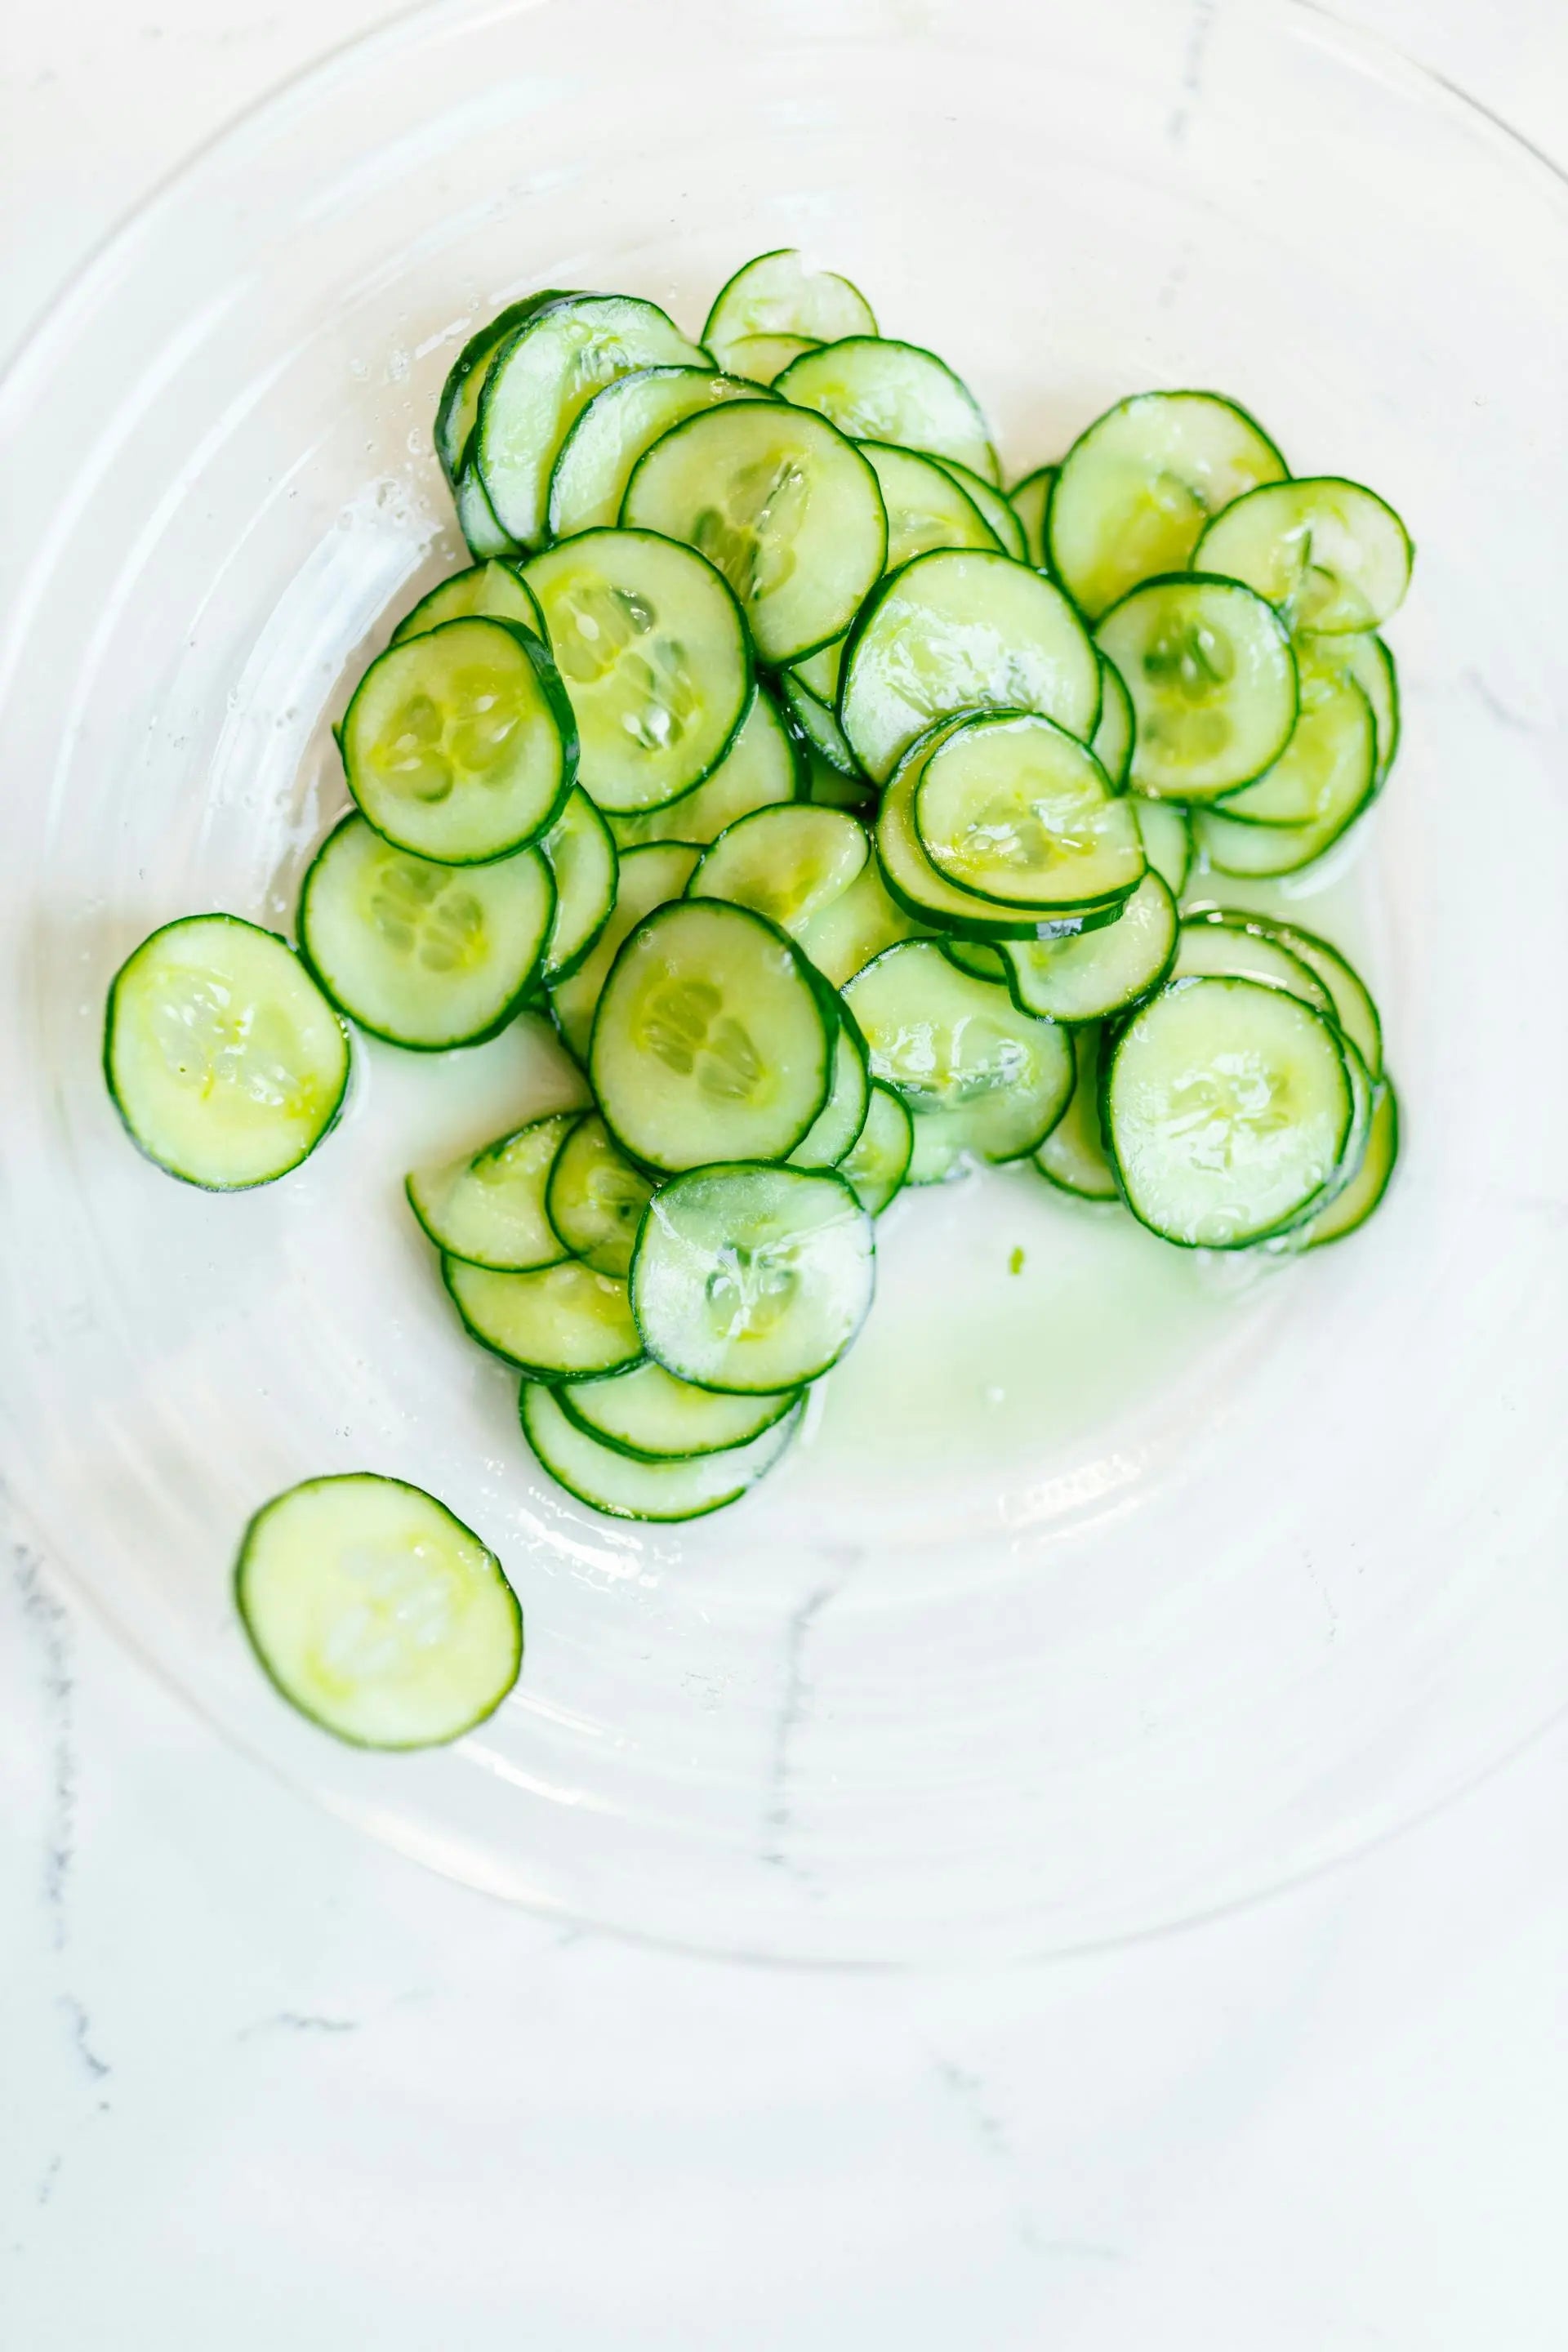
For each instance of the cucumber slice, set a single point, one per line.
(930, 503)
(589, 478)
(612, 1482)
(820, 672)
(1101, 972)
(878, 1162)
(1231, 945)
(375, 1613)
(751, 1279)
(761, 770)
(955, 631)
(1352, 1004)
(459, 411)
(983, 1080)
(1345, 771)
(560, 1323)
(648, 878)
(842, 940)
(825, 787)
(763, 358)
(836, 1126)
(877, 390)
(493, 591)
(777, 294)
(1111, 741)
(1212, 678)
(654, 655)
(222, 1056)
(650, 1416)
(489, 1208)
(483, 535)
(1135, 491)
(818, 729)
(581, 854)
(1073, 1156)
(596, 1198)
(782, 505)
(1368, 661)
(541, 379)
(424, 955)
(788, 863)
(1329, 764)
(1330, 554)
(459, 743)
(1226, 1107)
(712, 1040)
(1350, 1208)
(1014, 810)
(994, 509)
(1028, 500)
(973, 955)
(1167, 837)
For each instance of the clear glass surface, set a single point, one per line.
(1102, 1595)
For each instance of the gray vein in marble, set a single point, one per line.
(1486, 694)
(795, 1708)
(296, 2021)
(1200, 24)
(45, 1619)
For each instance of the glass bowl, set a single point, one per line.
(1100, 1595)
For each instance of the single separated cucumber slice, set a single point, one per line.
(1028, 500)
(489, 1207)
(763, 358)
(1230, 944)
(1328, 555)
(998, 515)
(877, 390)
(875, 1167)
(223, 1057)
(647, 879)
(836, 1126)
(762, 769)
(459, 410)
(818, 729)
(596, 1198)
(1133, 493)
(614, 1483)
(559, 1323)
(955, 631)
(713, 1039)
(493, 591)
(788, 863)
(1351, 1206)
(751, 1279)
(541, 379)
(485, 538)
(1212, 680)
(654, 655)
(375, 1613)
(779, 294)
(1014, 810)
(1101, 972)
(581, 855)
(650, 1416)
(1167, 837)
(1226, 1107)
(1073, 1156)
(590, 476)
(781, 504)
(1111, 741)
(983, 1080)
(1329, 765)
(424, 955)
(843, 939)
(459, 743)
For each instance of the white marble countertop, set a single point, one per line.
(264, 2084)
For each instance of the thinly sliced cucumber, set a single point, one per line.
(1101, 972)
(1329, 764)
(836, 1126)
(596, 1198)
(590, 475)
(778, 294)
(1135, 491)
(954, 631)
(1167, 837)
(614, 1483)
(762, 769)
(995, 510)
(713, 1039)
(750, 1279)
(222, 1055)
(788, 863)
(981, 962)
(1226, 1107)
(581, 855)
(493, 591)
(1073, 1156)
(426, 956)
(653, 653)
(843, 939)
(827, 787)
(818, 729)
(929, 504)
(1015, 810)
(377, 1613)
(1353, 1008)
(648, 878)
(1212, 678)
(489, 1207)
(1330, 555)
(1348, 777)
(820, 673)
(1111, 741)
(1231, 945)
(650, 1416)
(1028, 500)
(763, 358)
(562, 1323)
(541, 379)
(459, 743)
(1367, 660)
(483, 535)
(875, 1167)
(459, 411)
(983, 1080)
(875, 389)
(782, 504)
(1350, 1208)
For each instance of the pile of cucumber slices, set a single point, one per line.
(838, 808)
